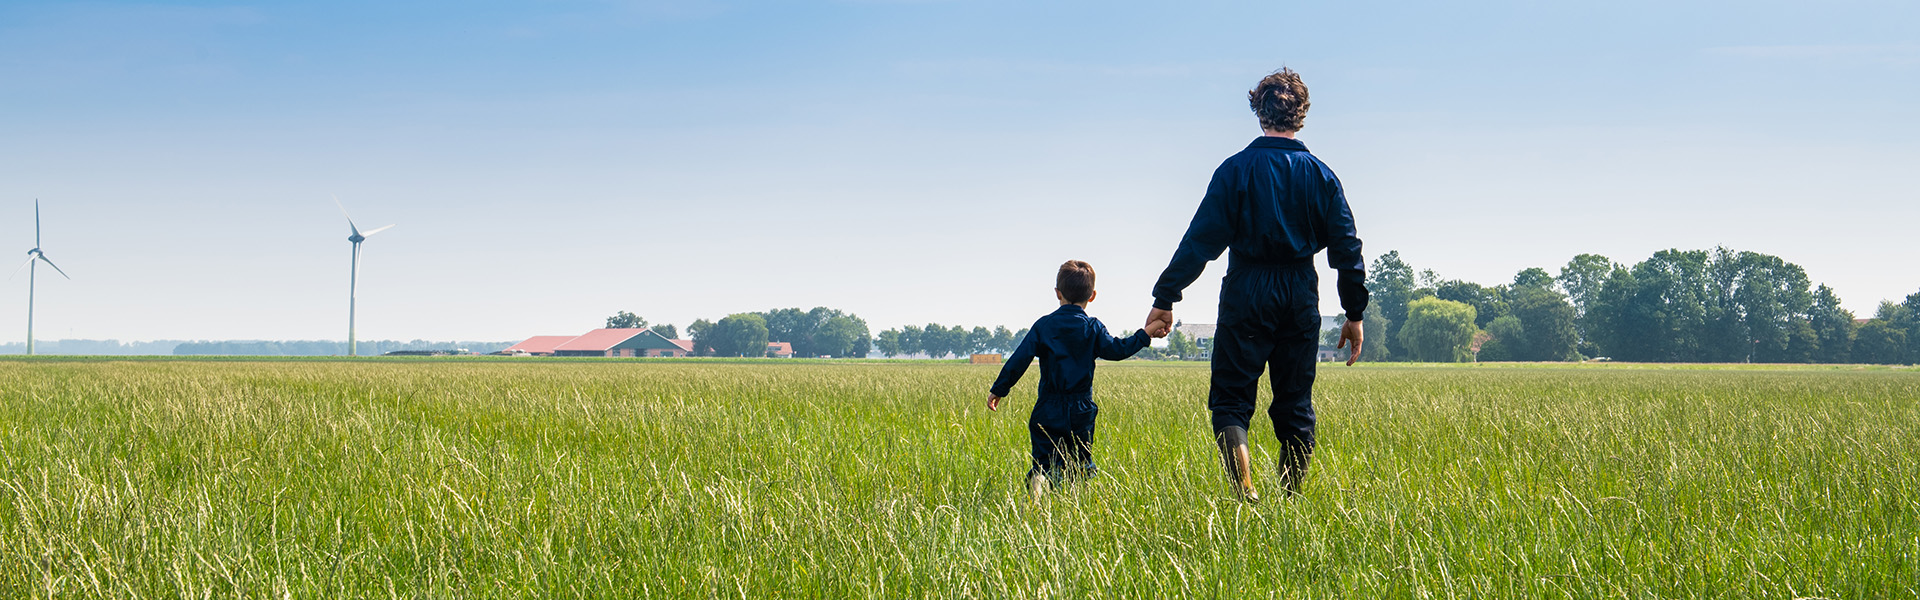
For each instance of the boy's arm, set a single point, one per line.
(1016, 367)
(1113, 348)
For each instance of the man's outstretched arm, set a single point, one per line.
(1207, 237)
(1343, 255)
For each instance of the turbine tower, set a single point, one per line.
(34, 257)
(353, 282)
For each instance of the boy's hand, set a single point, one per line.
(1159, 323)
(993, 402)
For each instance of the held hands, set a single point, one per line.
(1351, 332)
(993, 402)
(1159, 323)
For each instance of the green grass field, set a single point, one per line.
(530, 478)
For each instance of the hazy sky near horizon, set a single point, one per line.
(550, 162)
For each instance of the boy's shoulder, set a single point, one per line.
(1064, 322)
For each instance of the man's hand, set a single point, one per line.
(1351, 332)
(1159, 323)
(993, 402)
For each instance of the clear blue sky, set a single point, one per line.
(551, 162)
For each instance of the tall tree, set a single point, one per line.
(888, 343)
(1547, 320)
(1535, 277)
(743, 334)
(836, 337)
(626, 320)
(1832, 327)
(1879, 342)
(1003, 341)
(1390, 282)
(1373, 328)
(667, 330)
(793, 326)
(1664, 317)
(936, 340)
(1507, 337)
(1177, 345)
(1583, 279)
(912, 340)
(1439, 330)
(979, 340)
(1488, 303)
(1911, 324)
(698, 332)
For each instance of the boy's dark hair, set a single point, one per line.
(1075, 281)
(1280, 101)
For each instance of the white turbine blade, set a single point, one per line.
(343, 211)
(370, 233)
(49, 261)
(23, 267)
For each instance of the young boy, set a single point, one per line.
(1066, 342)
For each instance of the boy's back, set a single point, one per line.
(1066, 342)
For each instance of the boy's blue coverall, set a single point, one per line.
(1276, 206)
(1066, 342)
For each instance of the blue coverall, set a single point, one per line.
(1276, 206)
(1061, 427)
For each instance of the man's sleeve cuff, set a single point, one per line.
(1162, 304)
(1356, 316)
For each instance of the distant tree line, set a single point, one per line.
(821, 331)
(94, 347)
(324, 347)
(1677, 306)
(938, 341)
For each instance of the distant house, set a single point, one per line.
(1202, 336)
(618, 343)
(539, 345)
(780, 349)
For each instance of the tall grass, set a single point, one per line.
(424, 479)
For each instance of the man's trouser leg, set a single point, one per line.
(1237, 363)
(1293, 361)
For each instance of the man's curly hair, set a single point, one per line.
(1280, 101)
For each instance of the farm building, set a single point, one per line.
(620, 343)
(603, 342)
(539, 345)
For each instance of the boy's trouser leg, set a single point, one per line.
(1046, 450)
(1079, 442)
(1293, 363)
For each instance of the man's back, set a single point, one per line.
(1274, 204)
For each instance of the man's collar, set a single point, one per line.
(1278, 143)
(1072, 308)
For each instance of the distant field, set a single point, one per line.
(536, 478)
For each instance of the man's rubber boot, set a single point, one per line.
(1292, 468)
(1239, 463)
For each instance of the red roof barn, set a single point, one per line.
(539, 345)
(620, 343)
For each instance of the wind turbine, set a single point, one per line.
(34, 257)
(353, 283)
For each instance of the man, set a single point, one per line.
(1275, 206)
